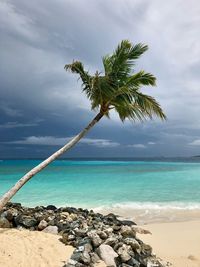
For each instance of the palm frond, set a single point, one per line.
(141, 78)
(78, 68)
(149, 106)
(137, 50)
(119, 65)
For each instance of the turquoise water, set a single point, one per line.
(91, 184)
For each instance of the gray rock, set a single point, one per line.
(127, 222)
(82, 257)
(51, 207)
(127, 231)
(96, 240)
(71, 237)
(87, 247)
(4, 223)
(94, 257)
(133, 262)
(80, 232)
(146, 249)
(71, 262)
(42, 225)
(65, 238)
(8, 215)
(107, 254)
(132, 242)
(124, 253)
(26, 221)
(109, 231)
(85, 257)
(14, 212)
(118, 245)
(102, 235)
(51, 229)
(111, 241)
(76, 256)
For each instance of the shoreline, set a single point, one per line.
(171, 243)
(152, 216)
(143, 213)
(94, 236)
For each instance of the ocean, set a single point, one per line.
(108, 184)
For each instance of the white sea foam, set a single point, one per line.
(151, 206)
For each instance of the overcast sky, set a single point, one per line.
(42, 106)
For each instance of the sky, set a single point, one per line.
(42, 106)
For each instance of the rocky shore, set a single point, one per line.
(94, 236)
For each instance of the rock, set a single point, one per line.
(85, 257)
(64, 214)
(107, 254)
(82, 257)
(14, 212)
(127, 231)
(96, 240)
(8, 215)
(124, 253)
(127, 222)
(87, 247)
(73, 216)
(26, 221)
(80, 232)
(146, 249)
(4, 223)
(65, 238)
(111, 217)
(51, 207)
(141, 230)
(94, 257)
(76, 256)
(71, 262)
(133, 262)
(109, 231)
(132, 242)
(118, 245)
(102, 235)
(43, 224)
(116, 228)
(71, 237)
(51, 229)
(111, 241)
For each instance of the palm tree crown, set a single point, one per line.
(119, 87)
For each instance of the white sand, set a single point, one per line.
(23, 248)
(178, 242)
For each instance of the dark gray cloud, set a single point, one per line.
(39, 99)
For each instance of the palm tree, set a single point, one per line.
(118, 88)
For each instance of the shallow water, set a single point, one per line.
(125, 185)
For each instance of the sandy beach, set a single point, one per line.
(24, 248)
(177, 243)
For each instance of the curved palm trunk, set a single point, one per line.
(7, 196)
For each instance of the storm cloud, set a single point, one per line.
(38, 99)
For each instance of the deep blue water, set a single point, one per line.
(85, 183)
